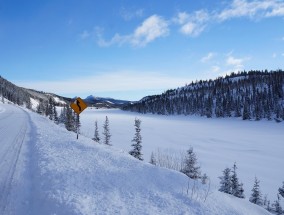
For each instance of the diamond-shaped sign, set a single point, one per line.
(78, 106)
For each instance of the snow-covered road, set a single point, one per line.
(13, 129)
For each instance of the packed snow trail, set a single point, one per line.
(13, 129)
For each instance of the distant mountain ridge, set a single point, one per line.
(105, 102)
(250, 95)
(32, 98)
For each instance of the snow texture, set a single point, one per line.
(45, 170)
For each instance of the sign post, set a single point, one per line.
(78, 106)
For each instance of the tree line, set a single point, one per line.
(250, 95)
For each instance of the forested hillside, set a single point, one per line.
(13, 93)
(250, 95)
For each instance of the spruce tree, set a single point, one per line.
(106, 132)
(256, 197)
(56, 119)
(96, 135)
(226, 182)
(237, 188)
(69, 122)
(137, 140)
(276, 207)
(191, 168)
(281, 190)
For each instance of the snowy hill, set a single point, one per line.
(104, 102)
(28, 97)
(250, 95)
(53, 173)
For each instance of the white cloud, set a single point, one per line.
(152, 28)
(234, 61)
(252, 9)
(192, 24)
(84, 35)
(208, 57)
(111, 82)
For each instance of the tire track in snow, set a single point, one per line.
(11, 151)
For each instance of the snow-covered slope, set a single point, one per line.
(58, 174)
(256, 147)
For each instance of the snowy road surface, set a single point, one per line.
(13, 130)
(45, 170)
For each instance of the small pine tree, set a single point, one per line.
(96, 135)
(281, 190)
(106, 132)
(276, 207)
(153, 159)
(191, 168)
(137, 139)
(237, 188)
(56, 119)
(256, 194)
(226, 181)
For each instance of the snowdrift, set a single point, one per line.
(69, 176)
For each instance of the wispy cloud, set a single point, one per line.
(252, 9)
(152, 28)
(192, 24)
(208, 57)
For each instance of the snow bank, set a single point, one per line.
(256, 147)
(80, 177)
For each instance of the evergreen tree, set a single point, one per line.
(96, 135)
(191, 168)
(276, 207)
(225, 181)
(69, 122)
(137, 140)
(256, 194)
(237, 188)
(281, 190)
(106, 132)
(153, 159)
(62, 116)
(55, 118)
(246, 111)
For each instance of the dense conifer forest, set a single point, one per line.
(251, 95)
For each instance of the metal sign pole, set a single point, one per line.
(77, 125)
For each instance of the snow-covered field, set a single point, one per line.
(50, 172)
(256, 147)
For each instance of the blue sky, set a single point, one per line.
(129, 49)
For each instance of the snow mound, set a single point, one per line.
(80, 177)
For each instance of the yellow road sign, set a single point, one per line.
(78, 106)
